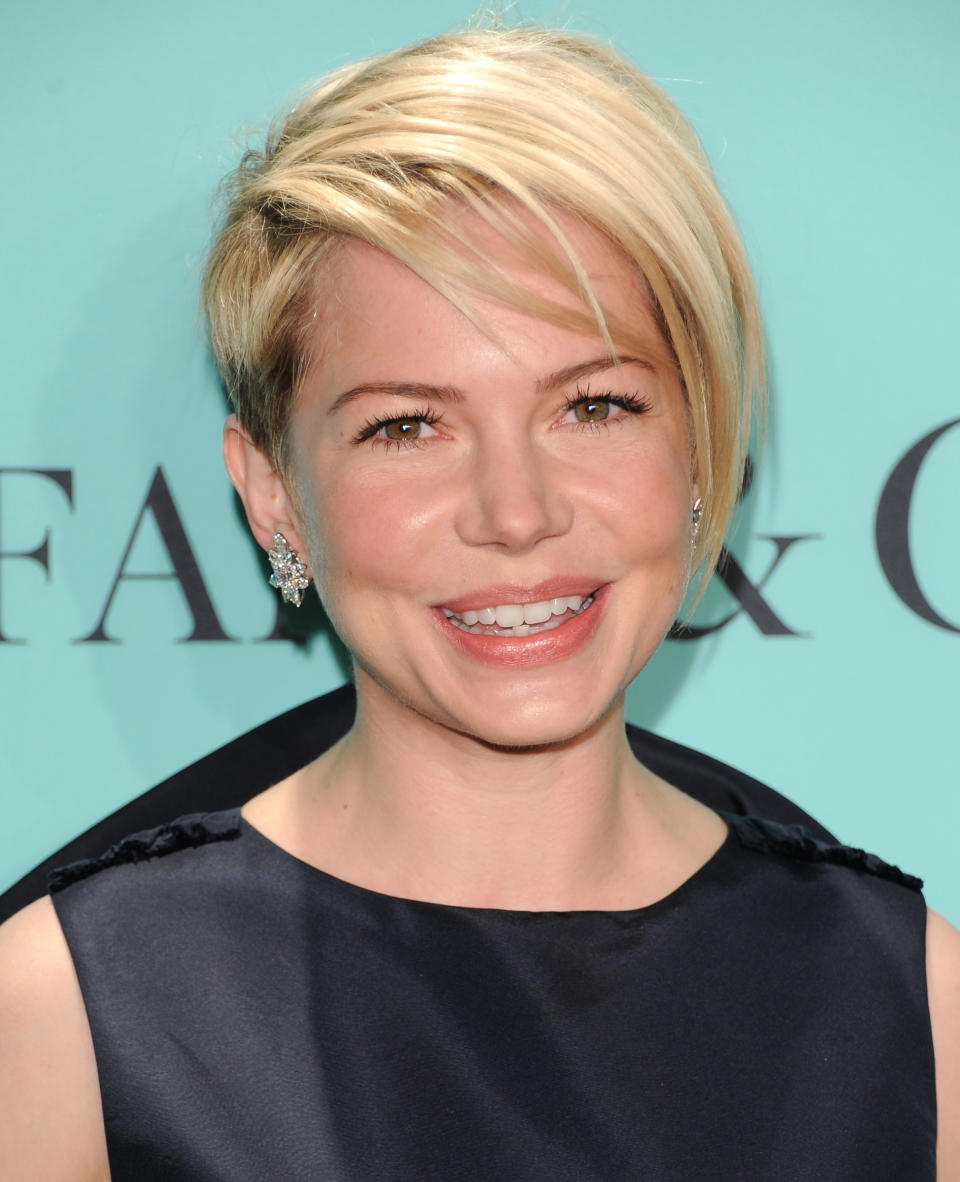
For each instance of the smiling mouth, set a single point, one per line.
(520, 619)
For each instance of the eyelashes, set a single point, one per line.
(407, 428)
(596, 406)
(591, 410)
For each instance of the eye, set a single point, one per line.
(596, 409)
(399, 431)
(591, 410)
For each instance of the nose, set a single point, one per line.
(514, 497)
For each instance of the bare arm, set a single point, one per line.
(52, 1123)
(943, 985)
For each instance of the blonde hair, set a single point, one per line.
(517, 124)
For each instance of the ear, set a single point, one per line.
(260, 487)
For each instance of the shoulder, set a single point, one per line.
(943, 985)
(134, 915)
(192, 832)
(795, 844)
(860, 915)
(49, 1092)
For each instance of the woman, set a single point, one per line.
(491, 341)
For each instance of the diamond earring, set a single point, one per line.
(289, 574)
(695, 516)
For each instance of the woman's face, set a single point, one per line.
(500, 529)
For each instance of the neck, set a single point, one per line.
(411, 808)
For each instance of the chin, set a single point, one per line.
(533, 723)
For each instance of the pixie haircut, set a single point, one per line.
(518, 126)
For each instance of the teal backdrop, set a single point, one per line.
(832, 674)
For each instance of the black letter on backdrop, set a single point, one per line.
(893, 529)
(747, 594)
(206, 626)
(63, 478)
(279, 630)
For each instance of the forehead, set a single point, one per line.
(369, 307)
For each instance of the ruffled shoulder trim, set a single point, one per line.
(795, 841)
(184, 833)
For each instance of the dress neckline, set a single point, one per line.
(705, 871)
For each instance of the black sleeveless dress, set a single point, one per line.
(257, 1020)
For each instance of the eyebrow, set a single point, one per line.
(450, 394)
(400, 390)
(573, 373)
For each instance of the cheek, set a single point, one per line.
(363, 535)
(649, 502)
(656, 549)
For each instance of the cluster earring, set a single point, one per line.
(289, 573)
(695, 515)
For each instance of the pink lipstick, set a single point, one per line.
(523, 626)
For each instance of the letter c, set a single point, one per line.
(893, 530)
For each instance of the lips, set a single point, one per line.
(558, 587)
(520, 626)
(519, 619)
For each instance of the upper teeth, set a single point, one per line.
(512, 615)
